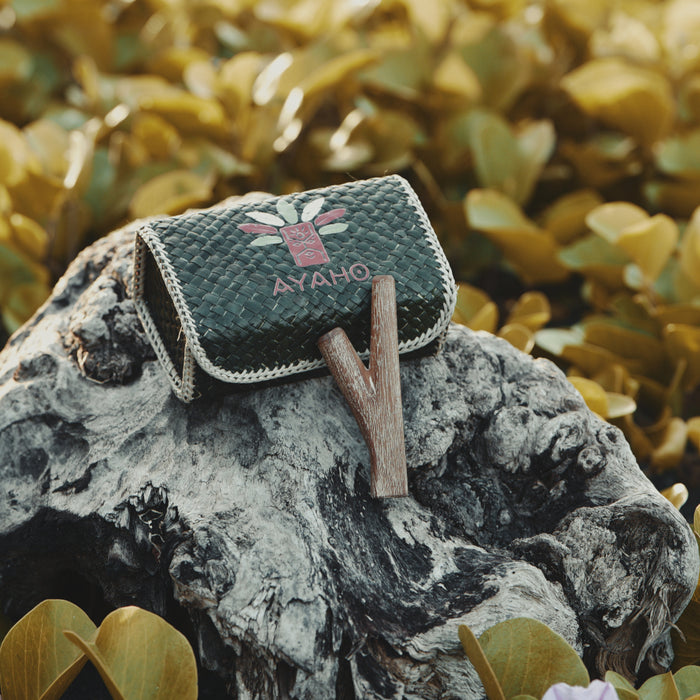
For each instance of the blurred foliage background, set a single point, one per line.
(554, 143)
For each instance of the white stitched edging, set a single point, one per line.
(188, 374)
(450, 298)
(147, 320)
(184, 387)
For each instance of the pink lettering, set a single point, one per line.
(319, 280)
(280, 287)
(362, 268)
(299, 282)
(344, 273)
(359, 272)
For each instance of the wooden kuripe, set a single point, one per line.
(374, 394)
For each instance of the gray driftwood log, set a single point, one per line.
(248, 520)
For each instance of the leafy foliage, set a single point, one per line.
(524, 657)
(520, 659)
(138, 654)
(557, 141)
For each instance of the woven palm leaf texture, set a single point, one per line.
(241, 295)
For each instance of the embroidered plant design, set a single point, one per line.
(299, 233)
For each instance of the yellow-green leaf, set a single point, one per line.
(645, 349)
(475, 653)
(528, 658)
(555, 340)
(532, 310)
(474, 309)
(140, 656)
(661, 687)
(624, 694)
(504, 160)
(690, 249)
(683, 345)
(650, 243)
(677, 495)
(565, 219)
(679, 155)
(686, 649)
(635, 100)
(15, 155)
(334, 71)
(609, 220)
(36, 660)
(531, 250)
(536, 142)
(169, 193)
(624, 689)
(187, 113)
(687, 681)
(15, 62)
(454, 77)
(671, 446)
(488, 210)
(593, 394)
(678, 197)
(495, 151)
(694, 431)
(519, 336)
(619, 405)
(597, 259)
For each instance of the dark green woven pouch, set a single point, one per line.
(241, 295)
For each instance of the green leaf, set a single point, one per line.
(28, 10)
(530, 249)
(474, 309)
(687, 681)
(624, 689)
(475, 654)
(535, 145)
(687, 651)
(554, 340)
(495, 151)
(528, 657)
(624, 694)
(661, 687)
(140, 656)
(597, 259)
(630, 98)
(37, 643)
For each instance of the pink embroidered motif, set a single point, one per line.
(304, 244)
(300, 234)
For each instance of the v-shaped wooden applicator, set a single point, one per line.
(374, 394)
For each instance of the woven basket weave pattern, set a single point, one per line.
(245, 302)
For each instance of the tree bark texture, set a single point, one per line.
(374, 393)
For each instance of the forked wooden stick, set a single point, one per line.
(374, 394)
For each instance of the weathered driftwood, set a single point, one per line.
(374, 394)
(248, 521)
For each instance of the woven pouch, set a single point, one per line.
(241, 295)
